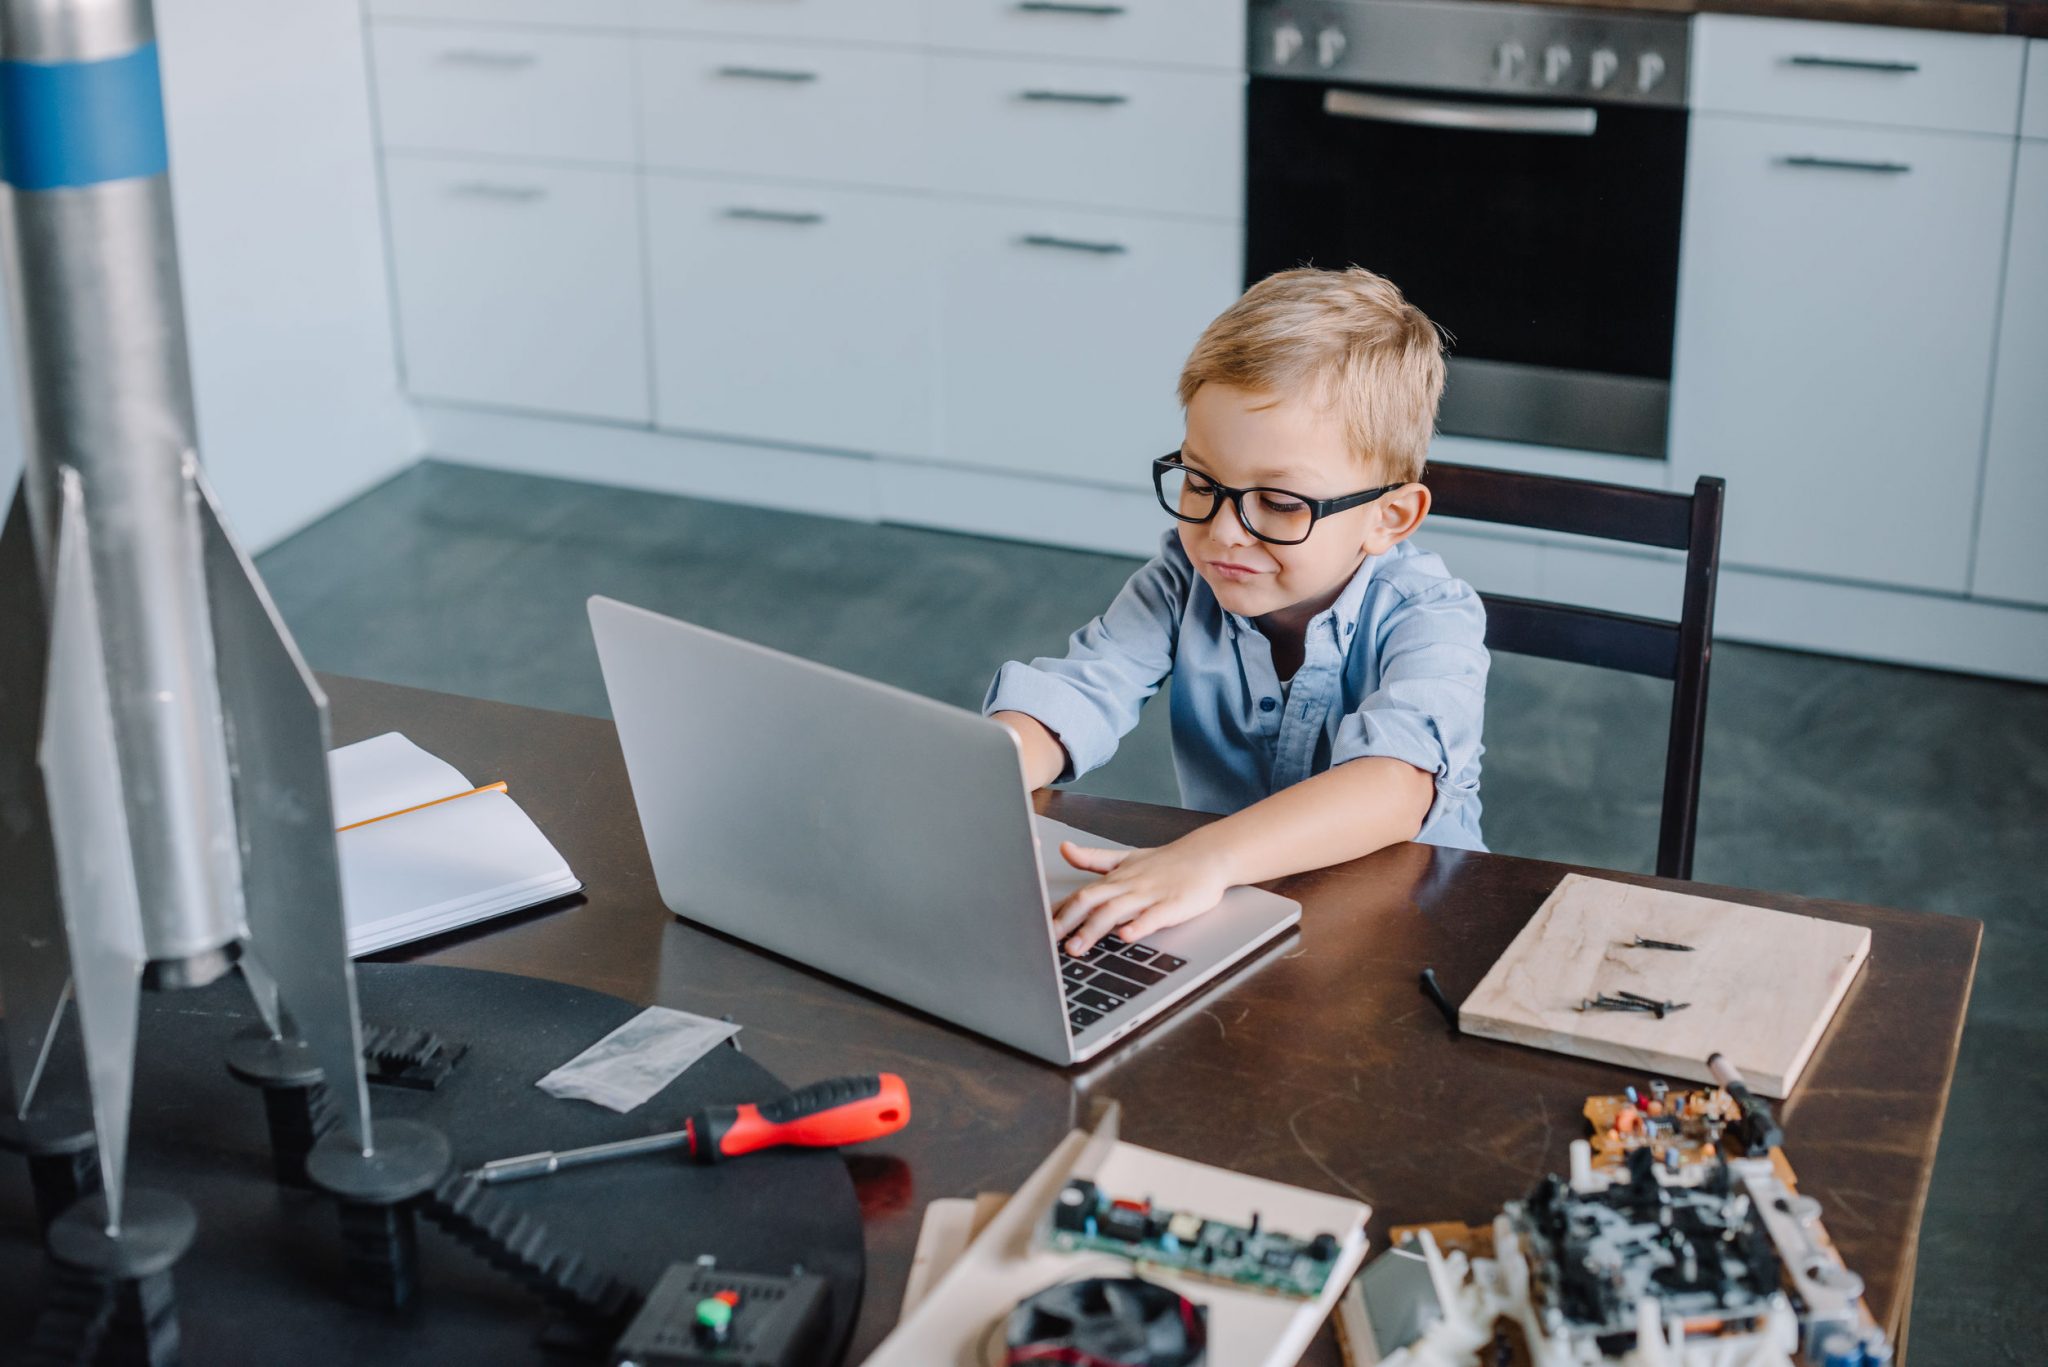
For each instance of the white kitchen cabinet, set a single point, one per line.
(577, 13)
(505, 92)
(520, 285)
(2034, 103)
(2012, 533)
(802, 111)
(1838, 291)
(1064, 333)
(1856, 73)
(868, 21)
(1174, 32)
(1147, 140)
(792, 314)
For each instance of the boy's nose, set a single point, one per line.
(1228, 528)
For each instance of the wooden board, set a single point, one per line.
(1762, 984)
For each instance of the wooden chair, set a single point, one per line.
(1677, 651)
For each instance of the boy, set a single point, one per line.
(1329, 677)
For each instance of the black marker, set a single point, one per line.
(1435, 993)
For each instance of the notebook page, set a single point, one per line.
(386, 774)
(444, 867)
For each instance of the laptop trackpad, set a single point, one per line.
(1061, 877)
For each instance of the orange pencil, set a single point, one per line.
(497, 787)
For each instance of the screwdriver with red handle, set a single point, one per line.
(841, 1110)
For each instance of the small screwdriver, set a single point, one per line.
(844, 1110)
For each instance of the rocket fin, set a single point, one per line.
(95, 864)
(262, 990)
(277, 747)
(35, 966)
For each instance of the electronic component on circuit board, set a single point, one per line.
(1084, 1218)
(699, 1315)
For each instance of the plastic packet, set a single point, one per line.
(638, 1059)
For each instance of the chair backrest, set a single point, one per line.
(1677, 651)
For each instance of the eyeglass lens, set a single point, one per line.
(1268, 513)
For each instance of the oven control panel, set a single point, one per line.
(1595, 56)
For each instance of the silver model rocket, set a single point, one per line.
(164, 802)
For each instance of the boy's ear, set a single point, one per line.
(1396, 516)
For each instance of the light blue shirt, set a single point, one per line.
(1395, 667)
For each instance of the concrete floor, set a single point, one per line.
(1827, 777)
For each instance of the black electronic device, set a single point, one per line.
(702, 1316)
(1108, 1322)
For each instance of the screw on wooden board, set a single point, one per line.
(1606, 1003)
(1662, 1009)
(1642, 943)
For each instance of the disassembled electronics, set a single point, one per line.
(1108, 1322)
(1698, 1253)
(1680, 1240)
(1087, 1219)
(1677, 1128)
(700, 1316)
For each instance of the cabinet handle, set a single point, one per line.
(487, 189)
(1068, 7)
(485, 57)
(1073, 244)
(767, 73)
(1071, 97)
(774, 216)
(1852, 63)
(1881, 168)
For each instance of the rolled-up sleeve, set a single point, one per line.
(1090, 698)
(1429, 706)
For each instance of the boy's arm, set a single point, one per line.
(1338, 815)
(1045, 758)
(1080, 705)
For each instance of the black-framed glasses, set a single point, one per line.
(1273, 515)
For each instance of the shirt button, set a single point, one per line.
(1268, 704)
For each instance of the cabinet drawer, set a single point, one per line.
(2034, 104)
(867, 21)
(1833, 359)
(520, 285)
(1856, 73)
(505, 91)
(1172, 32)
(1063, 334)
(803, 111)
(795, 315)
(1111, 137)
(571, 13)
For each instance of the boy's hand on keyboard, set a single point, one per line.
(1141, 891)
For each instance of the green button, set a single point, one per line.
(714, 1314)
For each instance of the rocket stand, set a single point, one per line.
(376, 1191)
(295, 1100)
(63, 1157)
(112, 1292)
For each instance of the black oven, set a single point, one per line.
(1518, 170)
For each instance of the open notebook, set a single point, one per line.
(448, 865)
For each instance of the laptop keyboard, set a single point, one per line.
(1109, 975)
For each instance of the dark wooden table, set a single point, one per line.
(1320, 1064)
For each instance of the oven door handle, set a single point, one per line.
(1553, 120)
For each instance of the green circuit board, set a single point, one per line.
(1086, 1219)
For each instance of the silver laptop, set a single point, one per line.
(881, 837)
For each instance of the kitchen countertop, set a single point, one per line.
(2026, 17)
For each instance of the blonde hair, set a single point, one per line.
(1348, 341)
